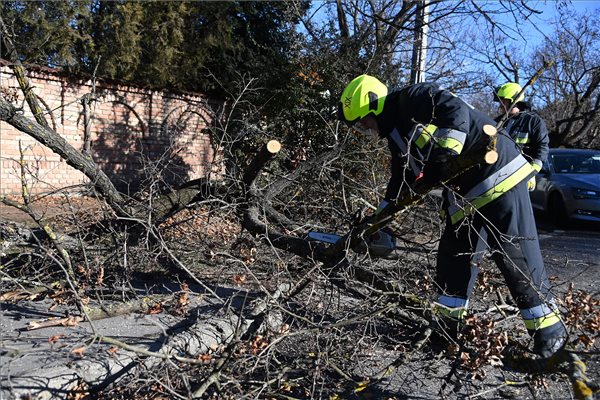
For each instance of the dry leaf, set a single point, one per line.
(71, 321)
(205, 358)
(12, 296)
(33, 325)
(100, 277)
(78, 351)
(239, 279)
(112, 350)
(183, 299)
(54, 338)
(156, 309)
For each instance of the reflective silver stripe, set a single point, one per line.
(404, 149)
(453, 302)
(538, 163)
(489, 183)
(537, 312)
(473, 279)
(447, 133)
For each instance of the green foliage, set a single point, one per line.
(48, 33)
(161, 44)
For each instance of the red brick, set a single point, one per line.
(64, 99)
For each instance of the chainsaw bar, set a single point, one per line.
(324, 237)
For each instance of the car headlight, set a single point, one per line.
(586, 193)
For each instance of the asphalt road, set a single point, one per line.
(573, 254)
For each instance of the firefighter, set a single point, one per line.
(426, 127)
(528, 130)
(523, 125)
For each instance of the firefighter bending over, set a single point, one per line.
(426, 127)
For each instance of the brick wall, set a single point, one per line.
(135, 134)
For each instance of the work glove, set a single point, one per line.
(531, 184)
(435, 169)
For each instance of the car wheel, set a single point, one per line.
(557, 211)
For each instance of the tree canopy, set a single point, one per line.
(291, 317)
(160, 44)
(293, 52)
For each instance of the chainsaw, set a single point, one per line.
(379, 244)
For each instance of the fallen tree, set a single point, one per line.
(311, 304)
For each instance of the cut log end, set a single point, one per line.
(491, 157)
(489, 130)
(273, 146)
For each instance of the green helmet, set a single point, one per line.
(363, 95)
(509, 91)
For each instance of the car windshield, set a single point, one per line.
(588, 163)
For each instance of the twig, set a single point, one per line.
(504, 384)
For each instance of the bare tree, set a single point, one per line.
(299, 319)
(570, 92)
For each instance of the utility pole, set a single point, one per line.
(417, 71)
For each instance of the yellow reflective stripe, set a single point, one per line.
(425, 137)
(493, 193)
(537, 167)
(522, 140)
(455, 313)
(542, 322)
(451, 139)
(451, 144)
(451, 307)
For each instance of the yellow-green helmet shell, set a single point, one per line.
(364, 95)
(509, 91)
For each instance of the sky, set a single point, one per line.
(544, 21)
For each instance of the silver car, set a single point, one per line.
(568, 186)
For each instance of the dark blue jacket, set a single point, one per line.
(459, 130)
(529, 131)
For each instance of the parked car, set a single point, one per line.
(568, 186)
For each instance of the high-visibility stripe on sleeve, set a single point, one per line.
(425, 135)
(452, 307)
(450, 301)
(491, 188)
(542, 322)
(450, 139)
(537, 312)
(536, 165)
(540, 317)
(521, 137)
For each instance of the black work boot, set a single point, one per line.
(549, 340)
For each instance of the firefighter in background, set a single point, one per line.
(426, 127)
(526, 127)
(529, 131)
